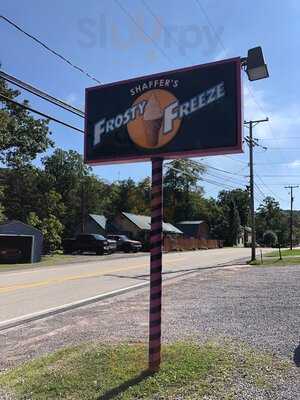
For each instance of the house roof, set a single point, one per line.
(143, 222)
(6, 226)
(99, 219)
(190, 222)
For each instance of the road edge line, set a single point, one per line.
(12, 323)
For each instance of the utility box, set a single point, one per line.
(20, 243)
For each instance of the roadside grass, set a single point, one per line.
(189, 371)
(284, 253)
(277, 262)
(46, 261)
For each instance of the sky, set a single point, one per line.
(119, 39)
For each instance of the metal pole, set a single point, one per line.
(156, 265)
(291, 214)
(252, 142)
(252, 208)
(83, 216)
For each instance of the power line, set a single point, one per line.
(54, 52)
(25, 107)
(41, 94)
(211, 25)
(149, 9)
(125, 11)
(268, 188)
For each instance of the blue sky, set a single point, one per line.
(103, 39)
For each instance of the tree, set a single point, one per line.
(182, 195)
(269, 216)
(240, 198)
(82, 192)
(29, 189)
(50, 227)
(233, 212)
(270, 238)
(22, 137)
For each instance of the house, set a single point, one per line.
(95, 223)
(138, 226)
(194, 229)
(20, 243)
(245, 236)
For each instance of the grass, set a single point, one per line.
(277, 262)
(189, 371)
(46, 261)
(285, 253)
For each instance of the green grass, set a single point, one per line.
(285, 253)
(189, 371)
(277, 262)
(46, 261)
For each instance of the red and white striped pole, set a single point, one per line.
(156, 264)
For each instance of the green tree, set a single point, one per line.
(51, 228)
(29, 189)
(182, 194)
(269, 216)
(22, 137)
(240, 198)
(81, 191)
(233, 206)
(270, 238)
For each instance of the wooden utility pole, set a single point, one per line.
(252, 143)
(291, 214)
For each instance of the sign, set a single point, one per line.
(188, 112)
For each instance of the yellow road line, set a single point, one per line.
(12, 288)
(5, 289)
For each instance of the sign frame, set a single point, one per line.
(178, 154)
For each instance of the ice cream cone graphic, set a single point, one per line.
(146, 131)
(153, 118)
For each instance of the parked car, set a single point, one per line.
(89, 243)
(125, 244)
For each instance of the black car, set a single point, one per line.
(88, 243)
(125, 244)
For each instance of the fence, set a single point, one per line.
(181, 244)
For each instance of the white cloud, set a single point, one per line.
(294, 164)
(283, 121)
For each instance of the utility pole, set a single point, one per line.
(252, 143)
(291, 214)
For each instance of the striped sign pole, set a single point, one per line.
(156, 265)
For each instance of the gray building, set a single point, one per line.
(138, 226)
(94, 223)
(20, 242)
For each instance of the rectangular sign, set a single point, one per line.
(183, 113)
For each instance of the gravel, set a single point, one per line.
(255, 305)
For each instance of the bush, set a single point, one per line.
(51, 228)
(270, 238)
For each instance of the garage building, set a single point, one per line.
(20, 243)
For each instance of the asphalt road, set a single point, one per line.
(256, 306)
(31, 291)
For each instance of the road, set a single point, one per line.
(23, 293)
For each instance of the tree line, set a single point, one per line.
(57, 196)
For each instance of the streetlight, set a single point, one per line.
(254, 64)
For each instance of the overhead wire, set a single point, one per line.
(49, 49)
(25, 107)
(126, 12)
(37, 92)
